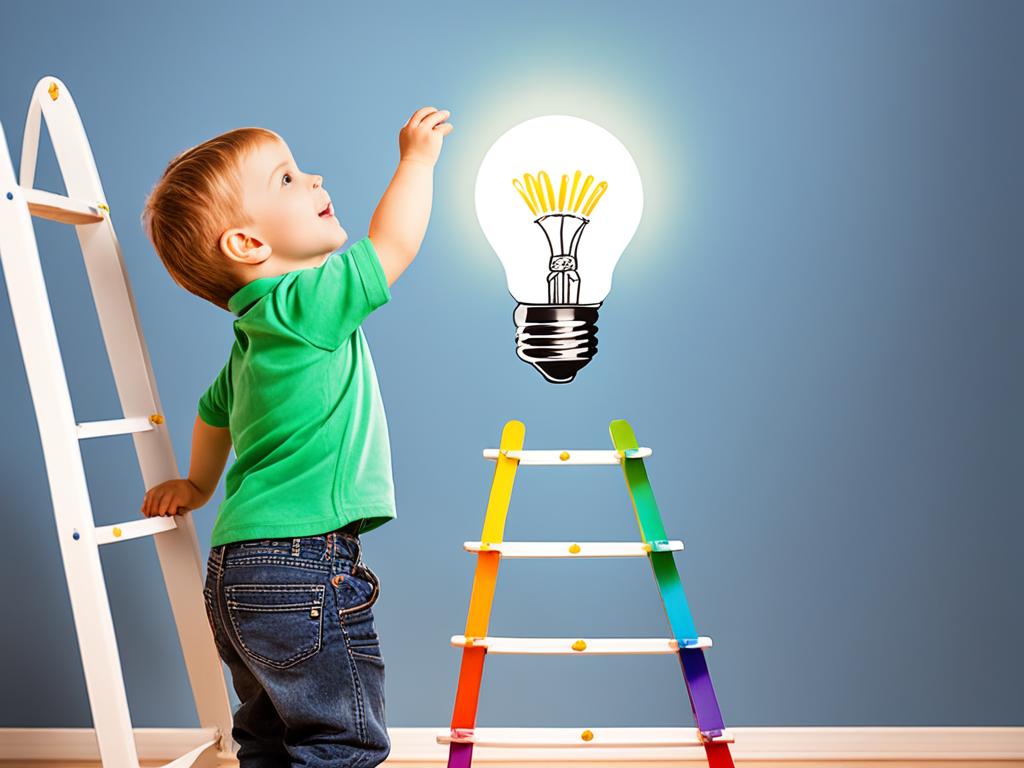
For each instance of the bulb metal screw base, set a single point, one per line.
(556, 339)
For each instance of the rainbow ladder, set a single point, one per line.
(462, 736)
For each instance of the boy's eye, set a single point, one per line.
(286, 179)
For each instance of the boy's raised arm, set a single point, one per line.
(400, 220)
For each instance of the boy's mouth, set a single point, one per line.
(327, 212)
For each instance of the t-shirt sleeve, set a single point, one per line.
(326, 304)
(214, 404)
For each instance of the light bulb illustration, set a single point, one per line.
(558, 277)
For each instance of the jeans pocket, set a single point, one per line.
(357, 594)
(359, 590)
(276, 624)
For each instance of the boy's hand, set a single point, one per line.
(420, 138)
(172, 498)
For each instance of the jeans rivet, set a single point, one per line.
(337, 579)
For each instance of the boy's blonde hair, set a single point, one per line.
(196, 199)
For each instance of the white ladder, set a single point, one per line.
(79, 537)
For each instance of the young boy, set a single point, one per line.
(287, 593)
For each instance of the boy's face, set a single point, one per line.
(292, 218)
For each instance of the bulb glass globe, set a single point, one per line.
(558, 198)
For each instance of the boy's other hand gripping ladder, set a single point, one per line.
(79, 537)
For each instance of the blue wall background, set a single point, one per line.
(817, 328)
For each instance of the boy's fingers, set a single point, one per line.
(433, 119)
(418, 115)
(445, 128)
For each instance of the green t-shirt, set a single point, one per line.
(300, 395)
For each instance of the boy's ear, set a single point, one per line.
(243, 246)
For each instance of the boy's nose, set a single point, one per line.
(318, 180)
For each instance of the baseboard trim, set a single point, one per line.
(417, 747)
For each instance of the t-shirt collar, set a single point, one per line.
(252, 292)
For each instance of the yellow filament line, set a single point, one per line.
(586, 186)
(594, 197)
(519, 188)
(551, 192)
(532, 185)
(539, 194)
(575, 181)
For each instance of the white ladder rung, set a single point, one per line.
(135, 529)
(67, 210)
(575, 645)
(575, 737)
(573, 548)
(114, 427)
(567, 456)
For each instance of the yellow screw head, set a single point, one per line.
(117, 532)
(156, 418)
(579, 645)
(574, 548)
(54, 91)
(564, 455)
(484, 545)
(587, 735)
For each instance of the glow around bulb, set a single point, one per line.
(558, 199)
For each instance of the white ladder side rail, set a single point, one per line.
(178, 550)
(72, 510)
(177, 545)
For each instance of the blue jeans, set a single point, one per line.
(292, 619)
